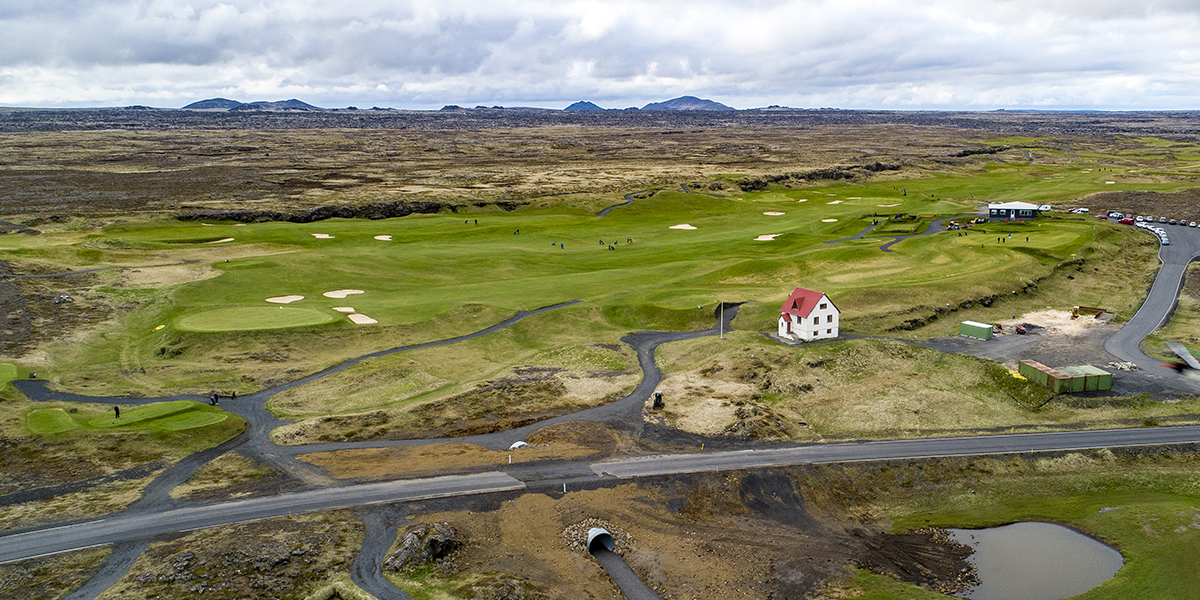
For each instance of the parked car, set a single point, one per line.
(1192, 224)
(1128, 221)
(1172, 221)
(1105, 217)
(1162, 219)
(1079, 211)
(1140, 218)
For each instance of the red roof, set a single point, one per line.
(801, 302)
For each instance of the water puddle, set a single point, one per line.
(1036, 561)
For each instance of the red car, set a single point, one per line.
(1126, 221)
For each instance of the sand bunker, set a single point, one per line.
(835, 202)
(285, 299)
(767, 238)
(344, 309)
(341, 293)
(829, 220)
(322, 236)
(362, 319)
(773, 213)
(221, 241)
(207, 224)
(886, 205)
(384, 238)
(681, 226)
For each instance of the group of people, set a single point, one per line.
(215, 399)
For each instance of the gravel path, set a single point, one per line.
(367, 571)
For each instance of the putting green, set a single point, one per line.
(50, 420)
(249, 318)
(189, 420)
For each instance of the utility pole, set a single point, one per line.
(1014, 304)
(722, 320)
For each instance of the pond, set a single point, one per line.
(1036, 561)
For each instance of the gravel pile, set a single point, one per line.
(575, 535)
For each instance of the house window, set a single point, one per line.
(829, 331)
(829, 318)
(824, 306)
(816, 320)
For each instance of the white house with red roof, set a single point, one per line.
(808, 315)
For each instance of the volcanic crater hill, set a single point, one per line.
(225, 104)
(583, 105)
(687, 103)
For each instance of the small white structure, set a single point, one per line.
(808, 315)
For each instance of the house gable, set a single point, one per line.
(801, 302)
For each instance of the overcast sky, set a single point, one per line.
(903, 54)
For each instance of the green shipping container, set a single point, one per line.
(1067, 379)
(976, 330)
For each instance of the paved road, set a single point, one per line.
(896, 450)
(933, 227)
(126, 527)
(1160, 302)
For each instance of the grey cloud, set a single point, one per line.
(796, 51)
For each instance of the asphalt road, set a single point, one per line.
(672, 464)
(1160, 302)
(128, 527)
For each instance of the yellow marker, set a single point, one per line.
(159, 327)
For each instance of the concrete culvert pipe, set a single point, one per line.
(598, 537)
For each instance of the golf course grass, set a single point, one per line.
(172, 416)
(424, 276)
(250, 318)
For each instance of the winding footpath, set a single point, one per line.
(155, 514)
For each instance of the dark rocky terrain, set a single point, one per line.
(1000, 122)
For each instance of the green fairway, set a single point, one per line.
(250, 318)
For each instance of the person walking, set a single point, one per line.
(117, 411)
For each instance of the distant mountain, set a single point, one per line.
(213, 104)
(583, 105)
(687, 103)
(292, 104)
